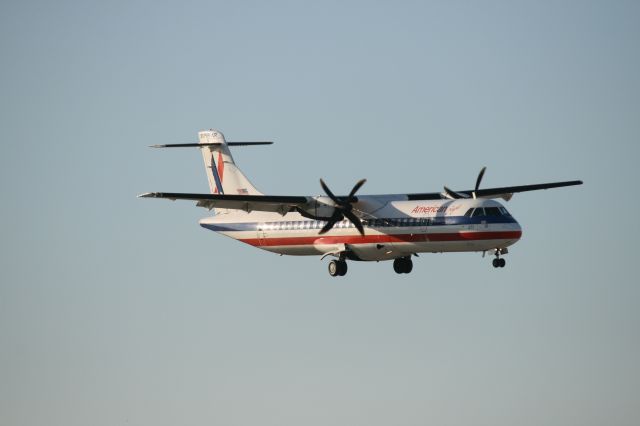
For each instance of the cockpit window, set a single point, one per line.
(478, 212)
(468, 213)
(492, 211)
(504, 211)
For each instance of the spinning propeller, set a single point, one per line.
(456, 195)
(342, 208)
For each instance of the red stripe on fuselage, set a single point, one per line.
(384, 238)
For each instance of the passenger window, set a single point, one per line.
(478, 212)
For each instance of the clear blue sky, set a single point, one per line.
(117, 310)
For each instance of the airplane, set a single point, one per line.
(392, 227)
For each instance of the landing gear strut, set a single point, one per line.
(402, 265)
(337, 268)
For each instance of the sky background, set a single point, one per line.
(122, 311)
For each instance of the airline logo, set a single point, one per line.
(434, 209)
(218, 173)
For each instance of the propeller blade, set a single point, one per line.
(329, 225)
(326, 189)
(355, 220)
(335, 217)
(454, 194)
(356, 187)
(479, 179)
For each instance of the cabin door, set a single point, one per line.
(262, 234)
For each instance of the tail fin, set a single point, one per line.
(222, 173)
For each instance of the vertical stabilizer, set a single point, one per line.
(222, 173)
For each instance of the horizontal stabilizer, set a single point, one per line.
(202, 145)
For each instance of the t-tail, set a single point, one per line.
(223, 175)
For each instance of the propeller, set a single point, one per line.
(454, 194)
(343, 208)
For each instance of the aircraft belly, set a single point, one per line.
(297, 250)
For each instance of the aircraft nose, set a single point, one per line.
(517, 228)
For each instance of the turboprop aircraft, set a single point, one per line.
(349, 227)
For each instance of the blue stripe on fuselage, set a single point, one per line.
(433, 221)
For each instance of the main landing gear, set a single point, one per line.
(337, 268)
(402, 265)
(499, 262)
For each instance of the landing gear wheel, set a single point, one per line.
(403, 265)
(337, 268)
(333, 268)
(408, 265)
(342, 268)
(397, 265)
(499, 262)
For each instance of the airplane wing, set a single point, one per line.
(503, 192)
(265, 203)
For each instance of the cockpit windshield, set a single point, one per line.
(487, 211)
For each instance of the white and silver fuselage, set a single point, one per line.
(393, 228)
